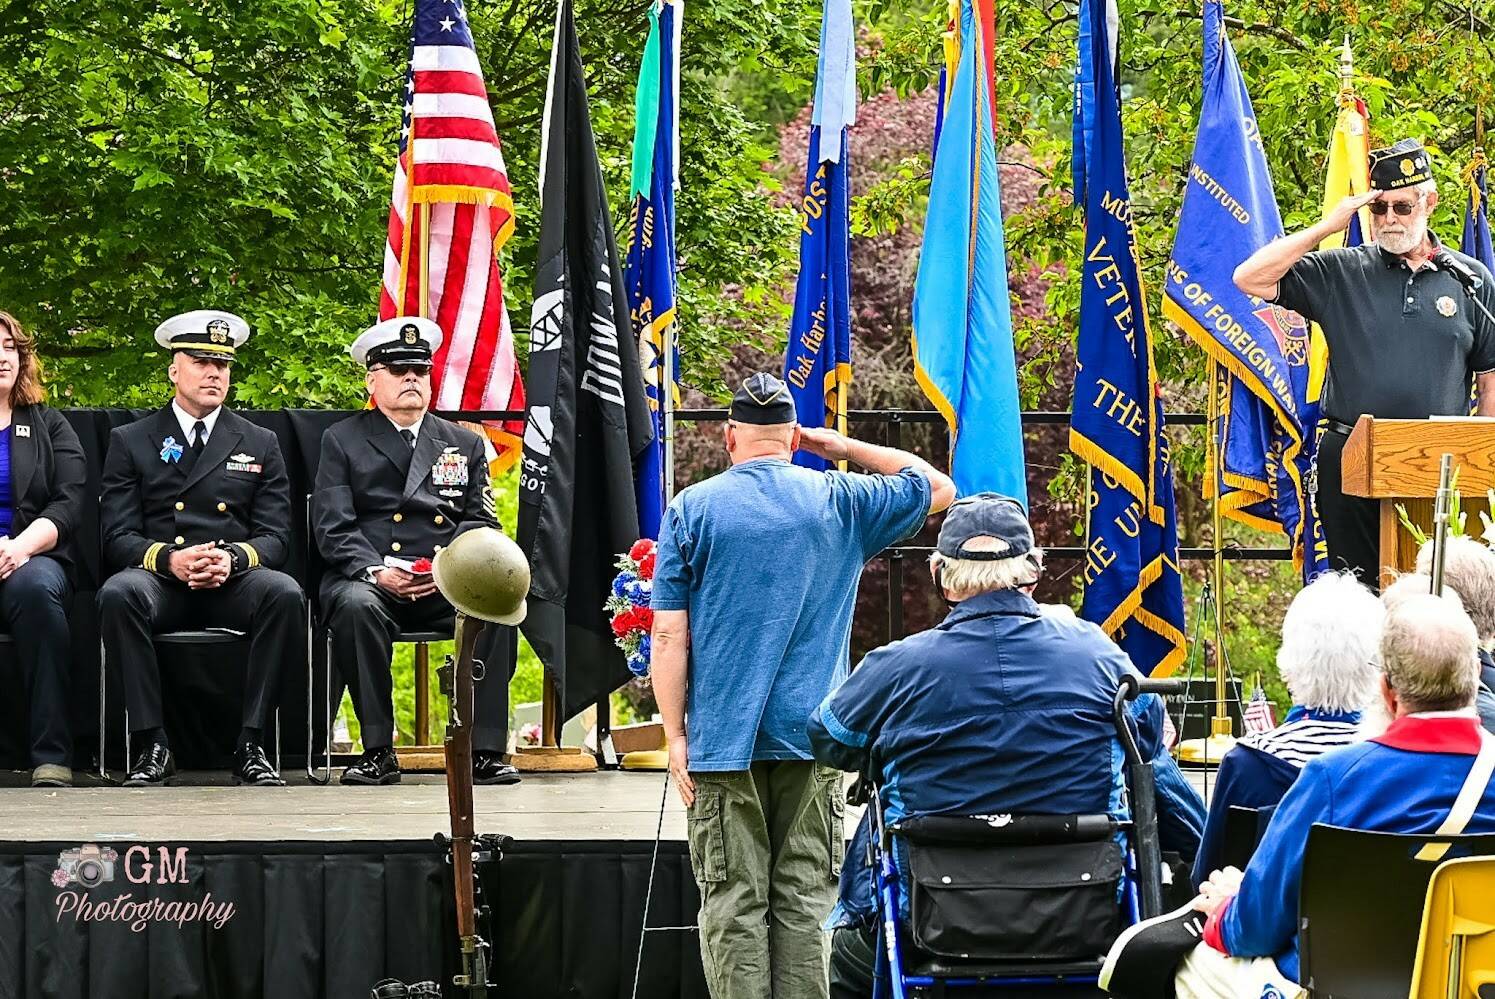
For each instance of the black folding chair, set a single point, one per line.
(1360, 908)
(329, 710)
(205, 636)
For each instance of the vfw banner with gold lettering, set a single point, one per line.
(1133, 588)
(817, 363)
(649, 266)
(1229, 212)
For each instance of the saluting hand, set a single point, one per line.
(1340, 215)
(824, 442)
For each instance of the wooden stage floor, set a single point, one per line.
(593, 806)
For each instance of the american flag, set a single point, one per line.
(1259, 716)
(451, 171)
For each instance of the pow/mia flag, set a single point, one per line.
(587, 418)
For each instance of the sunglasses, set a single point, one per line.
(401, 370)
(1403, 208)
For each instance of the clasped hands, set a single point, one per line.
(202, 566)
(404, 585)
(1219, 888)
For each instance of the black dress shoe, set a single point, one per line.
(375, 766)
(489, 768)
(251, 766)
(152, 769)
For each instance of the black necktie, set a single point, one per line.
(199, 435)
(409, 436)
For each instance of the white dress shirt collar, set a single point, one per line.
(187, 421)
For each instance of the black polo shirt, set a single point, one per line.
(1403, 344)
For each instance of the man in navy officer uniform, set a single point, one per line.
(195, 517)
(395, 485)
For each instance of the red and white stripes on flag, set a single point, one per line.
(1259, 716)
(451, 172)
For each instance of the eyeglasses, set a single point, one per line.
(1403, 208)
(401, 370)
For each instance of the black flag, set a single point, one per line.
(587, 417)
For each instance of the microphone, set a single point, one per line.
(1466, 275)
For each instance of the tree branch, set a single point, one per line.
(1272, 30)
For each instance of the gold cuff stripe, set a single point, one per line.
(151, 555)
(250, 554)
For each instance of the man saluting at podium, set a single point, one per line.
(1403, 319)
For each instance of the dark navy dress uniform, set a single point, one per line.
(46, 477)
(159, 496)
(376, 496)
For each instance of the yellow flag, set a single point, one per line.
(1348, 173)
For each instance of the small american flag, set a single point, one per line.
(1259, 716)
(451, 166)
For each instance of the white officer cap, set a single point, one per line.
(207, 333)
(401, 340)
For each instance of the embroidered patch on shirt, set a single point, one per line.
(22, 430)
(1446, 306)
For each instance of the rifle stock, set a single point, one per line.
(474, 977)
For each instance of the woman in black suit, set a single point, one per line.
(42, 479)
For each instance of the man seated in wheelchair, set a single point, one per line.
(1428, 772)
(1004, 708)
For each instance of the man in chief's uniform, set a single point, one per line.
(1405, 332)
(196, 517)
(395, 485)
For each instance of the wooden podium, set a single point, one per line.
(1396, 461)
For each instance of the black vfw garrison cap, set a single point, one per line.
(1402, 165)
(762, 400)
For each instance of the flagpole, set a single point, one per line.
(667, 409)
(1221, 726)
(425, 260)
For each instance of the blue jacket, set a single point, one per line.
(1000, 708)
(1404, 781)
(1262, 766)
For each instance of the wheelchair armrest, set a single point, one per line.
(1006, 830)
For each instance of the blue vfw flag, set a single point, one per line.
(649, 268)
(817, 362)
(1133, 589)
(1476, 240)
(962, 339)
(1229, 212)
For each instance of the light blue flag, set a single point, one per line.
(817, 363)
(649, 268)
(1133, 588)
(962, 314)
(1228, 213)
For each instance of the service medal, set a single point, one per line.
(1446, 306)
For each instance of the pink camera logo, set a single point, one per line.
(88, 866)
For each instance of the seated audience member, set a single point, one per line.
(1469, 567)
(1328, 658)
(1000, 708)
(1403, 781)
(1375, 720)
(42, 477)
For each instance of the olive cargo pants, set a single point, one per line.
(766, 847)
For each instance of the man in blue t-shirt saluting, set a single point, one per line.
(754, 589)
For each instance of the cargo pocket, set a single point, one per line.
(708, 849)
(835, 797)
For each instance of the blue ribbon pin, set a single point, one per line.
(171, 450)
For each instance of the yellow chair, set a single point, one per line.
(1456, 948)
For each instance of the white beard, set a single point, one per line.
(1405, 241)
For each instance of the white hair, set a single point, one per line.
(1430, 651)
(1417, 584)
(963, 578)
(1468, 567)
(1330, 638)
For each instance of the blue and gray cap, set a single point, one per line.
(999, 520)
